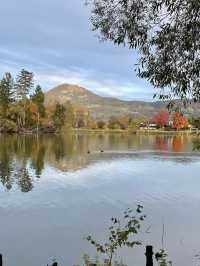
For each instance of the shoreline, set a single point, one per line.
(138, 132)
(104, 131)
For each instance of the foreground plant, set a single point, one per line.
(88, 261)
(162, 258)
(121, 234)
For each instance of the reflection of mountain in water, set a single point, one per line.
(23, 158)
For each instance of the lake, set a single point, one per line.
(56, 190)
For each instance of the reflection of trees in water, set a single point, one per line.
(22, 158)
(24, 179)
(37, 157)
(161, 143)
(17, 154)
(58, 147)
(196, 144)
(5, 164)
(178, 144)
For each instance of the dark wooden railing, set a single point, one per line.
(149, 258)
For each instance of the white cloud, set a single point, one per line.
(58, 46)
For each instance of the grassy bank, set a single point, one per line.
(141, 131)
(168, 132)
(105, 131)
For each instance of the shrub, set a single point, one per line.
(7, 126)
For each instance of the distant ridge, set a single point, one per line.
(105, 107)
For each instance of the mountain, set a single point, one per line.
(105, 107)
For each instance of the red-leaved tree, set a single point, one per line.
(161, 118)
(179, 121)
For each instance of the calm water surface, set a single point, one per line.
(53, 193)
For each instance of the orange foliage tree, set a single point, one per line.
(34, 112)
(161, 118)
(179, 121)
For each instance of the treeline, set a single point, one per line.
(22, 109)
(22, 106)
(175, 120)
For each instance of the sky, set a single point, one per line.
(53, 39)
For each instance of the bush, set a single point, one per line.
(101, 124)
(7, 126)
(114, 126)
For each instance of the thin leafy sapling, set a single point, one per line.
(162, 258)
(121, 234)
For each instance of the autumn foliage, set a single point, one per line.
(161, 118)
(34, 111)
(179, 121)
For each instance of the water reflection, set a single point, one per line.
(178, 144)
(23, 158)
(196, 144)
(53, 193)
(161, 143)
(18, 155)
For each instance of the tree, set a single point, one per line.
(59, 116)
(101, 124)
(92, 124)
(195, 121)
(18, 111)
(69, 114)
(24, 84)
(135, 122)
(82, 116)
(16, 114)
(123, 121)
(166, 33)
(179, 121)
(113, 123)
(120, 234)
(161, 118)
(33, 114)
(119, 122)
(23, 113)
(6, 93)
(38, 99)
